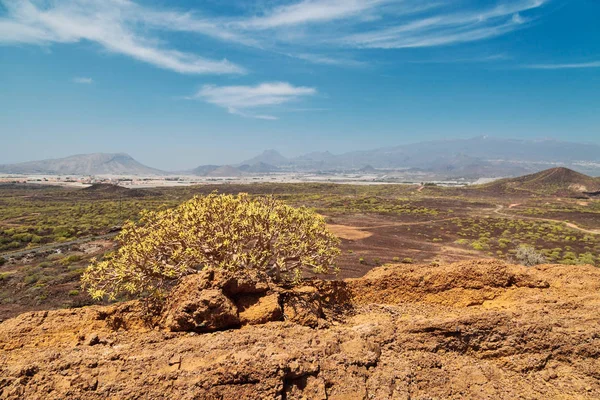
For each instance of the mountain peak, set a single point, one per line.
(271, 157)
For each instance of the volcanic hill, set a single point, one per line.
(555, 181)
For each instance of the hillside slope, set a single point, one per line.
(557, 181)
(83, 164)
(479, 330)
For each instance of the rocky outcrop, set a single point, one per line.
(477, 330)
(215, 300)
(202, 311)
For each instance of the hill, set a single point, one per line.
(226, 171)
(203, 170)
(83, 164)
(270, 157)
(108, 190)
(258, 168)
(553, 181)
(471, 330)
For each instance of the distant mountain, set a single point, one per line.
(225, 171)
(368, 169)
(557, 181)
(271, 157)
(258, 168)
(469, 158)
(231, 171)
(83, 164)
(204, 170)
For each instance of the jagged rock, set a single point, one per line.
(305, 387)
(303, 306)
(409, 331)
(257, 309)
(242, 282)
(92, 340)
(209, 301)
(190, 309)
(232, 283)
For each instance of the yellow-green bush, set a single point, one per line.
(220, 231)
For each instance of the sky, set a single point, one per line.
(182, 83)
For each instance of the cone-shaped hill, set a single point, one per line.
(554, 181)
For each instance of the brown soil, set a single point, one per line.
(475, 329)
(348, 232)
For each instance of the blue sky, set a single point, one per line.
(178, 84)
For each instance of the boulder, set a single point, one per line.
(257, 309)
(199, 310)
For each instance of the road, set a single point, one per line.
(52, 246)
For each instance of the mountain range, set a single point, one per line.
(445, 155)
(465, 158)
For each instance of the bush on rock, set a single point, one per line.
(218, 231)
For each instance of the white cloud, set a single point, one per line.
(83, 80)
(592, 64)
(441, 29)
(327, 60)
(116, 25)
(310, 11)
(316, 31)
(245, 100)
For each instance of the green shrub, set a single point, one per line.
(68, 260)
(31, 279)
(44, 264)
(218, 231)
(528, 256)
(477, 245)
(407, 260)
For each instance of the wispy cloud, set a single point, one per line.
(440, 29)
(119, 26)
(246, 100)
(316, 31)
(83, 80)
(309, 11)
(592, 64)
(328, 60)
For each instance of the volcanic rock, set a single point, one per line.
(476, 330)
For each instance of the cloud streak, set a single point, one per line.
(118, 26)
(311, 30)
(83, 80)
(309, 11)
(591, 64)
(246, 100)
(441, 29)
